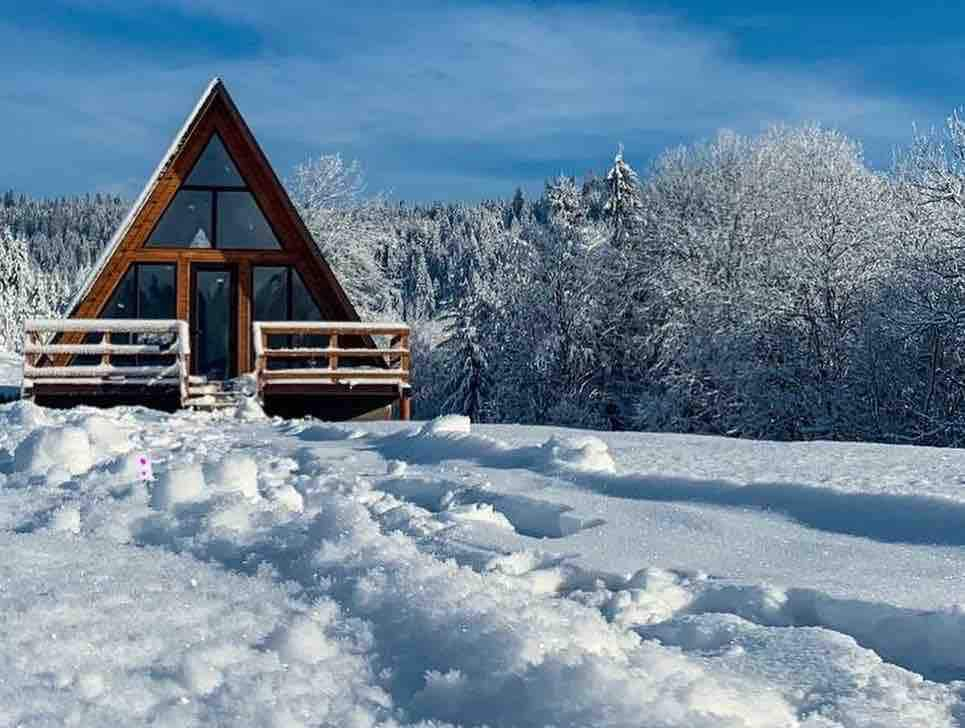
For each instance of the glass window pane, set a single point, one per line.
(155, 300)
(215, 168)
(304, 309)
(122, 305)
(186, 223)
(271, 300)
(123, 302)
(303, 306)
(241, 224)
(156, 292)
(271, 293)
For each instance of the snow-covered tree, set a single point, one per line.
(623, 204)
(465, 359)
(763, 286)
(349, 229)
(24, 291)
(565, 202)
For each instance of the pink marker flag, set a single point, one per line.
(145, 470)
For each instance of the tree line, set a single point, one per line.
(771, 286)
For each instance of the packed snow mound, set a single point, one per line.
(304, 640)
(105, 435)
(235, 473)
(324, 432)
(452, 437)
(478, 512)
(64, 449)
(248, 410)
(287, 496)
(66, 519)
(23, 413)
(178, 485)
(447, 425)
(588, 454)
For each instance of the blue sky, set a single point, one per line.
(458, 100)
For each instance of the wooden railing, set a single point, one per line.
(50, 360)
(327, 365)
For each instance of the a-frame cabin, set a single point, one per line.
(214, 275)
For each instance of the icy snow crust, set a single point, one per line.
(278, 573)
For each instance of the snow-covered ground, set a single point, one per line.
(11, 371)
(297, 573)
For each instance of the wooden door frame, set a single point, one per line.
(232, 269)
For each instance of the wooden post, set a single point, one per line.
(245, 341)
(183, 305)
(405, 405)
(333, 344)
(31, 360)
(261, 363)
(185, 386)
(106, 355)
(261, 360)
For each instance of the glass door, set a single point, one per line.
(214, 322)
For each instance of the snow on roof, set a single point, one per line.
(132, 214)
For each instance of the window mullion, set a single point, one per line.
(137, 290)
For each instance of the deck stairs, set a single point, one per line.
(207, 395)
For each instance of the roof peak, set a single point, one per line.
(214, 83)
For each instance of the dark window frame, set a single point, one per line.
(214, 190)
(135, 268)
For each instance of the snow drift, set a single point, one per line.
(278, 573)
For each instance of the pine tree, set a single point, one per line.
(465, 361)
(623, 206)
(565, 203)
(518, 203)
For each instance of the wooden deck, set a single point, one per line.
(152, 366)
(54, 371)
(370, 375)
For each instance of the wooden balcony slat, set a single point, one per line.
(322, 353)
(105, 372)
(394, 374)
(97, 349)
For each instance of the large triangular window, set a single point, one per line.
(215, 167)
(214, 209)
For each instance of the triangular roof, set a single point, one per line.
(215, 112)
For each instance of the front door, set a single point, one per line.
(213, 321)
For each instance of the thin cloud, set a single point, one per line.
(483, 88)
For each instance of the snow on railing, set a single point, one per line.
(388, 365)
(50, 360)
